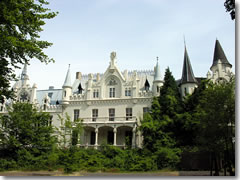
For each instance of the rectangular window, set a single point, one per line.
(111, 114)
(129, 92)
(126, 92)
(94, 114)
(128, 113)
(95, 93)
(145, 110)
(112, 92)
(50, 121)
(76, 114)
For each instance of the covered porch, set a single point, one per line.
(119, 135)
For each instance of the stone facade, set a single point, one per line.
(111, 104)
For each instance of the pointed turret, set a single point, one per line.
(157, 76)
(219, 54)
(157, 82)
(67, 88)
(24, 75)
(188, 82)
(67, 82)
(187, 72)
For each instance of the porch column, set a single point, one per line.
(115, 136)
(96, 137)
(134, 137)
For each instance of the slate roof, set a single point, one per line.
(56, 95)
(187, 72)
(219, 54)
(67, 82)
(142, 75)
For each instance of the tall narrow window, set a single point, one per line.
(76, 114)
(50, 121)
(65, 93)
(111, 114)
(112, 92)
(129, 92)
(185, 91)
(128, 113)
(95, 93)
(94, 114)
(126, 92)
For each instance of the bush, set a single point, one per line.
(7, 164)
(167, 157)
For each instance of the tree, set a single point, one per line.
(25, 128)
(230, 7)
(20, 25)
(69, 131)
(216, 113)
(170, 99)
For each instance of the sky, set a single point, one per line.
(85, 32)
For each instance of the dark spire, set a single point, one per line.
(187, 72)
(219, 54)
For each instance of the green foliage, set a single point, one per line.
(167, 157)
(69, 131)
(20, 25)
(25, 128)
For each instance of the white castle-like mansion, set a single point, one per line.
(111, 104)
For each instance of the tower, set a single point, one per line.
(188, 82)
(157, 82)
(24, 76)
(221, 68)
(67, 88)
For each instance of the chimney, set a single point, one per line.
(78, 75)
(98, 77)
(125, 74)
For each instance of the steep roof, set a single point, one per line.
(67, 82)
(157, 75)
(24, 72)
(187, 72)
(219, 54)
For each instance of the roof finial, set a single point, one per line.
(69, 66)
(157, 58)
(184, 40)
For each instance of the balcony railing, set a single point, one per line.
(109, 119)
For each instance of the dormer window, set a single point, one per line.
(146, 85)
(50, 94)
(80, 89)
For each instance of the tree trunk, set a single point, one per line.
(216, 165)
(211, 164)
